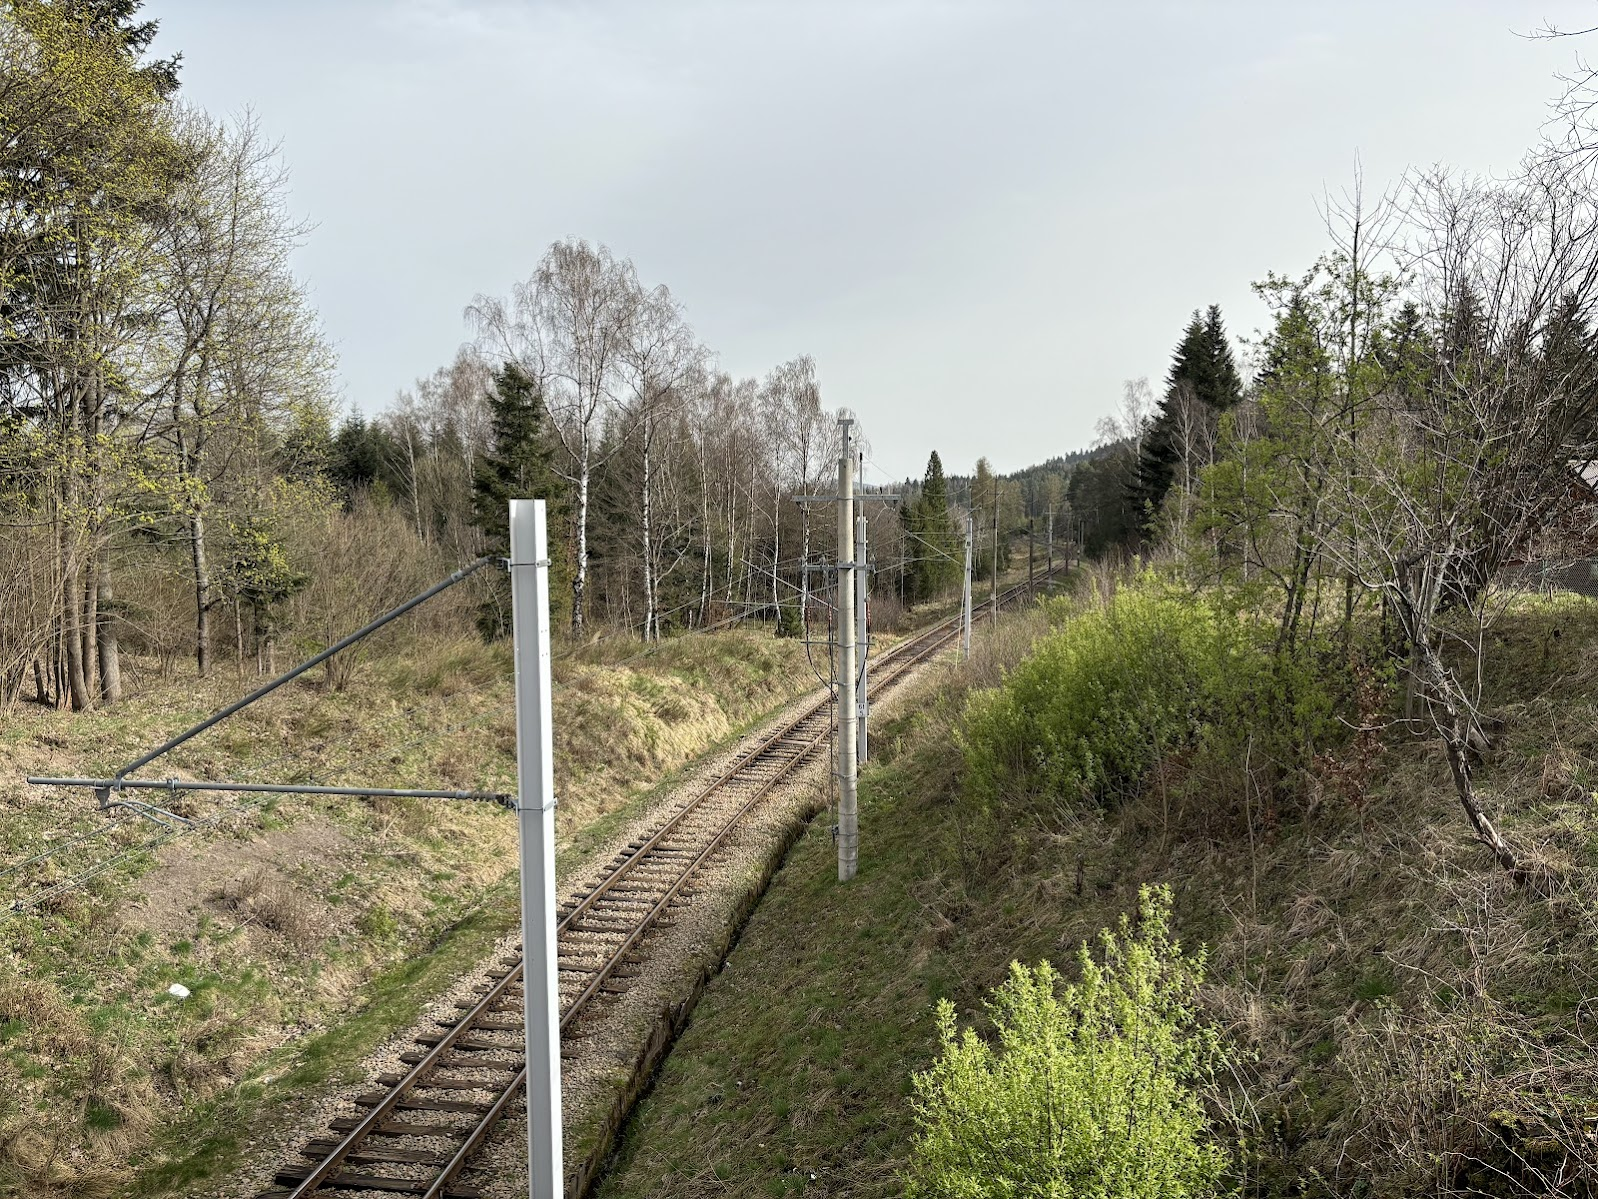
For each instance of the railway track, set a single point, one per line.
(420, 1128)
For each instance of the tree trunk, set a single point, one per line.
(1303, 561)
(776, 551)
(202, 592)
(1456, 731)
(265, 642)
(993, 586)
(72, 637)
(705, 576)
(88, 625)
(416, 483)
(238, 634)
(108, 646)
(804, 569)
(580, 576)
(650, 631)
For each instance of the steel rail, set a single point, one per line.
(478, 1135)
(664, 901)
(916, 649)
(901, 657)
(743, 762)
(380, 1111)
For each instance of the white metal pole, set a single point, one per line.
(848, 810)
(862, 637)
(535, 810)
(993, 583)
(1050, 583)
(965, 599)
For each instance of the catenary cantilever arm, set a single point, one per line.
(363, 631)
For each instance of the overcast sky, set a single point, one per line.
(979, 217)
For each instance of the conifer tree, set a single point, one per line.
(935, 545)
(1203, 382)
(519, 465)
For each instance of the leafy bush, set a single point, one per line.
(1091, 1088)
(1100, 699)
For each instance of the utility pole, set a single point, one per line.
(965, 600)
(848, 800)
(862, 633)
(1050, 574)
(535, 813)
(853, 700)
(1031, 542)
(993, 587)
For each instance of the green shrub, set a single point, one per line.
(1090, 1091)
(1100, 699)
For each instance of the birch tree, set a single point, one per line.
(659, 356)
(568, 327)
(241, 351)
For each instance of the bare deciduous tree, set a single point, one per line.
(569, 328)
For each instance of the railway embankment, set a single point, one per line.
(1406, 1017)
(306, 932)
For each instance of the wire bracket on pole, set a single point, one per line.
(266, 689)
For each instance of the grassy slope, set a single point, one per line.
(1362, 955)
(298, 911)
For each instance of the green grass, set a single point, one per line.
(797, 1060)
(1346, 944)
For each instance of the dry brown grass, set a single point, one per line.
(1471, 1100)
(42, 1150)
(264, 898)
(282, 920)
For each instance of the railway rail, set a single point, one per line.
(421, 1127)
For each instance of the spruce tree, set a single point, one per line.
(942, 541)
(935, 545)
(519, 462)
(519, 465)
(1202, 368)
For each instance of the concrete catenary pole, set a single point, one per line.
(993, 583)
(535, 810)
(1031, 541)
(965, 596)
(848, 809)
(862, 625)
(1050, 573)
